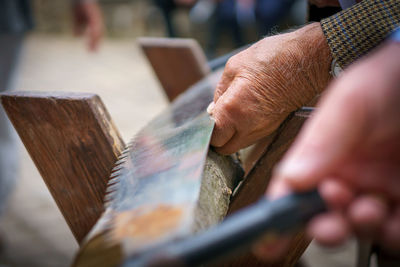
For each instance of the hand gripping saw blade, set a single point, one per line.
(154, 192)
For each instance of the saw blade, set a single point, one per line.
(142, 204)
(143, 207)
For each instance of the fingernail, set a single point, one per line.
(210, 108)
(295, 168)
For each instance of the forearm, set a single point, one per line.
(317, 56)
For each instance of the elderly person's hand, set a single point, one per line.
(263, 84)
(350, 150)
(88, 19)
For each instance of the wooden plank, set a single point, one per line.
(256, 182)
(74, 144)
(177, 63)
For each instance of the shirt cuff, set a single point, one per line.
(353, 32)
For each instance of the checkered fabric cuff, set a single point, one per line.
(353, 32)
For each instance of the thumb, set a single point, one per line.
(327, 139)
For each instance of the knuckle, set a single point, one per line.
(232, 63)
(229, 106)
(235, 109)
(220, 89)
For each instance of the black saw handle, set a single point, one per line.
(237, 232)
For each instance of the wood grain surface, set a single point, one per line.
(177, 63)
(74, 144)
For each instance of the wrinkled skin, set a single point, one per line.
(350, 150)
(263, 84)
(87, 18)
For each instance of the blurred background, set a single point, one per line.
(32, 230)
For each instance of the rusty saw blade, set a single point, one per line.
(154, 189)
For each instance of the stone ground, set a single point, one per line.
(35, 232)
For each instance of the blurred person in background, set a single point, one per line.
(269, 13)
(224, 20)
(16, 19)
(227, 16)
(167, 8)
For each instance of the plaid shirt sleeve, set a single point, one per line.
(353, 32)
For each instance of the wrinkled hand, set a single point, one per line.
(261, 85)
(88, 19)
(350, 150)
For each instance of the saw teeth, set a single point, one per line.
(120, 161)
(113, 181)
(111, 184)
(117, 168)
(107, 200)
(109, 195)
(111, 188)
(114, 175)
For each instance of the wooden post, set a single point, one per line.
(178, 63)
(74, 144)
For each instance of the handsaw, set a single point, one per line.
(143, 205)
(148, 223)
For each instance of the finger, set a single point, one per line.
(225, 81)
(210, 108)
(330, 229)
(223, 132)
(390, 236)
(271, 249)
(327, 138)
(224, 128)
(335, 193)
(277, 188)
(367, 214)
(238, 141)
(229, 147)
(374, 176)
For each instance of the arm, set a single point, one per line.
(350, 150)
(88, 19)
(353, 32)
(263, 84)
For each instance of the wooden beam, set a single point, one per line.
(74, 144)
(270, 150)
(178, 63)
